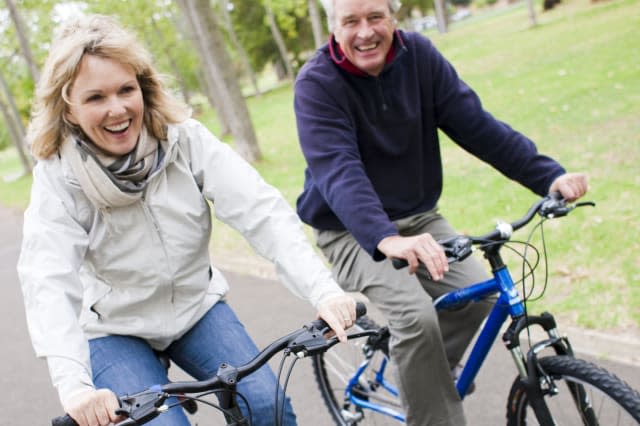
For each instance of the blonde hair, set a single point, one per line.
(394, 7)
(100, 36)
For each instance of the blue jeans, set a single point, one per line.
(128, 364)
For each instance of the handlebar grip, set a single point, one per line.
(399, 263)
(65, 420)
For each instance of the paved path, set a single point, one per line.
(268, 312)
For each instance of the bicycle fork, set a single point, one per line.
(536, 381)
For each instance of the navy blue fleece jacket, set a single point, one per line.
(371, 143)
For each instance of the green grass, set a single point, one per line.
(14, 186)
(572, 84)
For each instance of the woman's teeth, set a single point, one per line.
(118, 127)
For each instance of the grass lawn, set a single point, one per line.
(572, 84)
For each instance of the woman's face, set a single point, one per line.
(364, 29)
(106, 102)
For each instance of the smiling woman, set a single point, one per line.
(115, 263)
(105, 101)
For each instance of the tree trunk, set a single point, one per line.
(238, 46)
(203, 81)
(18, 141)
(14, 108)
(316, 23)
(17, 132)
(441, 15)
(277, 37)
(218, 69)
(532, 13)
(24, 40)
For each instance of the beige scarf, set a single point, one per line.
(111, 181)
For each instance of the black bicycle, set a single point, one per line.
(142, 407)
(552, 386)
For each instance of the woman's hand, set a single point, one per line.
(340, 313)
(93, 408)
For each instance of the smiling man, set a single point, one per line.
(368, 108)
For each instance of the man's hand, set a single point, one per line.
(570, 185)
(93, 408)
(340, 313)
(417, 249)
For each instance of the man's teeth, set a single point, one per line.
(118, 127)
(368, 47)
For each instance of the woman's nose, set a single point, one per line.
(116, 108)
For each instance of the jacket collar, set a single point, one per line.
(338, 57)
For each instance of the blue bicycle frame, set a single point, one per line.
(509, 303)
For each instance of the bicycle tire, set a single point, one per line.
(334, 368)
(609, 400)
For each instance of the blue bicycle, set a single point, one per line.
(358, 389)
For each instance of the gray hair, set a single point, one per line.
(394, 6)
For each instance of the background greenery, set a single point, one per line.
(573, 85)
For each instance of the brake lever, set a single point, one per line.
(141, 407)
(557, 207)
(585, 204)
(309, 342)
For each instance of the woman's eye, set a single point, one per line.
(128, 89)
(94, 98)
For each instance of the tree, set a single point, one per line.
(23, 39)
(316, 23)
(244, 58)
(14, 125)
(441, 15)
(219, 72)
(277, 37)
(532, 13)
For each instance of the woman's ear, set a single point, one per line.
(68, 116)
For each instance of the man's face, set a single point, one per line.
(364, 29)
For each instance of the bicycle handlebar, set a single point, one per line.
(143, 406)
(458, 248)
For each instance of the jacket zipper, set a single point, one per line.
(149, 214)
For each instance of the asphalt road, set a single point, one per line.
(267, 309)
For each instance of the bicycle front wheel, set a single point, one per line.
(335, 369)
(586, 395)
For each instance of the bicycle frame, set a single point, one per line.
(509, 303)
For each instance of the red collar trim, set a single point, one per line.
(338, 57)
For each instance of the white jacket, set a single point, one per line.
(144, 270)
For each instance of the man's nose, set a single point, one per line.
(365, 30)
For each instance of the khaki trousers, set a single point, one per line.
(425, 345)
